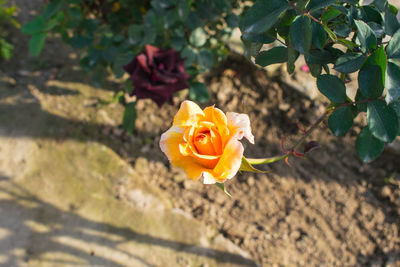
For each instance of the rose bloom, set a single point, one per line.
(157, 74)
(206, 142)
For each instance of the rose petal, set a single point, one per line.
(164, 78)
(150, 53)
(208, 178)
(169, 144)
(218, 117)
(146, 90)
(167, 57)
(142, 60)
(239, 126)
(208, 161)
(187, 114)
(229, 163)
(216, 142)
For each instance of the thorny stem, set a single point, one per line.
(292, 4)
(292, 150)
(322, 117)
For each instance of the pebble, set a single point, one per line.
(386, 192)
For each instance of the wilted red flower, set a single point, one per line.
(157, 74)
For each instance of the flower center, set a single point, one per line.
(203, 143)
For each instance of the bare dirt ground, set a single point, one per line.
(326, 210)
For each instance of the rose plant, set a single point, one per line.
(335, 37)
(112, 33)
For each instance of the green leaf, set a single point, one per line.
(391, 24)
(251, 49)
(52, 8)
(365, 35)
(261, 38)
(34, 26)
(341, 120)
(381, 4)
(330, 14)
(75, 13)
(52, 23)
(330, 33)
(135, 34)
(347, 43)
(120, 61)
(349, 62)
(222, 187)
(193, 21)
(378, 58)
(393, 48)
(129, 86)
(198, 37)
(318, 35)
(393, 9)
(342, 30)
(162, 4)
(284, 22)
(371, 14)
(205, 58)
(232, 20)
(370, 81)
(119, 97)
(6, 49)
(396, 107)
(300, 34)
(362, 107)
(128, 121)
(332, 87)
(292, 57)
(246, 165)
(189, 54)
(178, 42)
(382, 121)
(198, 92)
(80, 41)
(170, 18)
(275, 55)
(368, 146)
(316, 4)
(315, 69)
(262, 15)
(392, 82)
(36, 43)
(320, 57)
(183, 7)
(110, 53)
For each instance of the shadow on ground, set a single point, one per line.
(52, 230)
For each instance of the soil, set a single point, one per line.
(328, 209)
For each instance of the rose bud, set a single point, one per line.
(206, 142)
(157, 74)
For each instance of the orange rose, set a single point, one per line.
(205, 142)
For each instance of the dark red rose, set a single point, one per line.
(157, 74)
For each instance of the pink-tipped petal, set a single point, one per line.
(239, 125)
